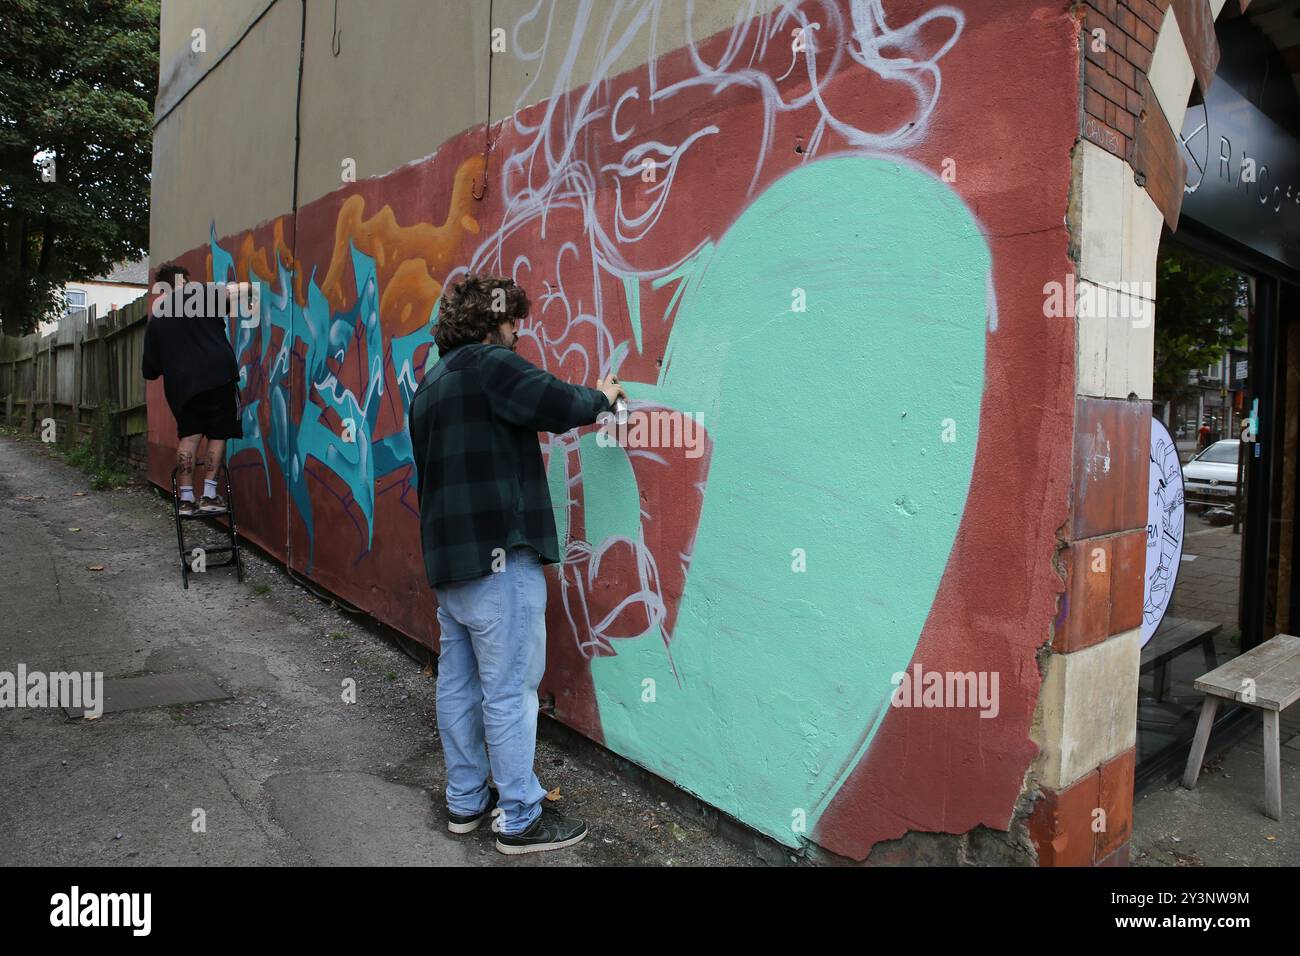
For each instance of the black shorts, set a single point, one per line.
(214, 413)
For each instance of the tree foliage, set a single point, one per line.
(77, 80)
(1200, 315)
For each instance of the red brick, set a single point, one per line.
(1061, 823)
(1117, 41)
(1103, 83)
(1196, 23)
(1140, 57)
(1157, 158)
(1112, 440)
(1095, 104)
(1125, 123)
(1106, 136)
(1134, 103)
(1092, 54)
(1147, 12)
(1115, 797)
(1086, 609)
(1143, 34)
(1124, 73)
(1127, 21)
(1103, 590)
(1128, 558)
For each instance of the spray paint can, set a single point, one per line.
(620, 410)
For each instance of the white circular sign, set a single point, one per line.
(1165, 514)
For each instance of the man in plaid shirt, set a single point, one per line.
(486, 528)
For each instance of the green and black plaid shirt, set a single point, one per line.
(480, 479)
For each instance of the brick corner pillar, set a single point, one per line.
(1143, 61)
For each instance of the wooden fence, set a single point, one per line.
(66, 375)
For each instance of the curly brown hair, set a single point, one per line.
(474, 307)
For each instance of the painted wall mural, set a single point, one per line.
(792, 235)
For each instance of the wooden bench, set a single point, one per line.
(1267, 678)
(1174, 637)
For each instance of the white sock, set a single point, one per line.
(209, 487)
(187, 492)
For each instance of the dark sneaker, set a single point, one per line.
(212, 506)
(188, 508)
(550, 831)
(468, 824)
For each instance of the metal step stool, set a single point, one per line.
(232, 532)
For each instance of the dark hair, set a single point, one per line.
(167, 270)
(473, 307)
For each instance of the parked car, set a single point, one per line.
(1211, 477)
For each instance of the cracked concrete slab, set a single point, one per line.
(332, 816)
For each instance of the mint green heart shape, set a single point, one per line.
(828, 428)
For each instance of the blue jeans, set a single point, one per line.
(493, 653)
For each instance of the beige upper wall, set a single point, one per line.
(225, 155)
(179, 65)
(563, 46)
(410, 75)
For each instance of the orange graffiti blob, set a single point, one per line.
(407, 258)
(250, 261)
(410, 260)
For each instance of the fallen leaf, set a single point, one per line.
(1270, 839)
(94, 567)
(30, 498)
(554, 794)
(428, 670)
(74, 529)
(678, 833)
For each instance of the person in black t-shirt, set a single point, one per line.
(201, 381)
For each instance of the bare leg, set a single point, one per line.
(185, 452)
(216, 455)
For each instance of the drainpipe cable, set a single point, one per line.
(479, 189)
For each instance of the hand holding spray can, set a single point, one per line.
(618, 403)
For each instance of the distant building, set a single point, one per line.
(121, 286)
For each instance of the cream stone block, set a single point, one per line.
(1143, 227)
(1101, 243)
(1114, 340)
(1132, 367)
(1087, 709)
(1171, 73)
(1091, 356)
